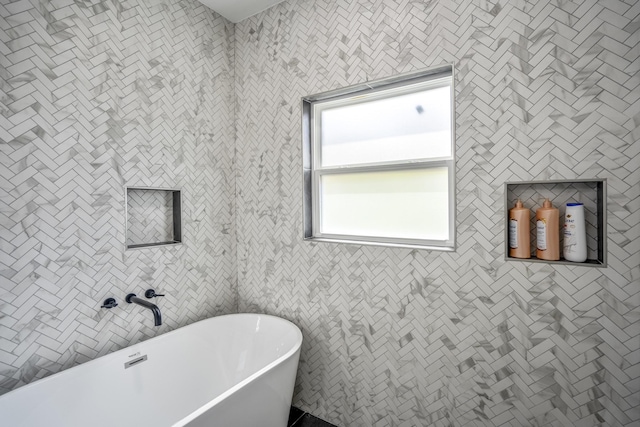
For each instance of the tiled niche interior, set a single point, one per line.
(153, 217)
(560, 192)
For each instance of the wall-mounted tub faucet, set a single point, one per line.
(157, 317)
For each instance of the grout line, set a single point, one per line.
(297, 419)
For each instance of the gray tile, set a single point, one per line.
(83, 116)
(294, 415)
(544, 90)
(308, 420)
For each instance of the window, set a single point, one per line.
(378, 163)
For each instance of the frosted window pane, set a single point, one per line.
(405, 127)
(411, 204)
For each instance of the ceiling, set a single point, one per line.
(237, 10)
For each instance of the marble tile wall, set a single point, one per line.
(98, 96)
(393, 337)
(95, 96)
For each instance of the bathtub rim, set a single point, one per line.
(193, 415)
(296, 349)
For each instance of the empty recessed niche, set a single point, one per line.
(591, 192)
(153, 217)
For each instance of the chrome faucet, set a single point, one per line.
(157, 317)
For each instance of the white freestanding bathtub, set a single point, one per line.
(229, 371)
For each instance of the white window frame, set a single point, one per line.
(312, 165)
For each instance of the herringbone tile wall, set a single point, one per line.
(96, 96)
(544, 90)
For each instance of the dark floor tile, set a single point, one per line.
(294, 415)
(309, 420)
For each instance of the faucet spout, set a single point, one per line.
(157, 316)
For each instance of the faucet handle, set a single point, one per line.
(150, 293)
(109, 303)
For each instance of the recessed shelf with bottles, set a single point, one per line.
(591, 192)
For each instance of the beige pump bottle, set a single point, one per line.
(519, 240)
(548, 232)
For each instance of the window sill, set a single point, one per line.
(383, 244)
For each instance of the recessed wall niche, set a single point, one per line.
(591, 192)
(153, 217)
